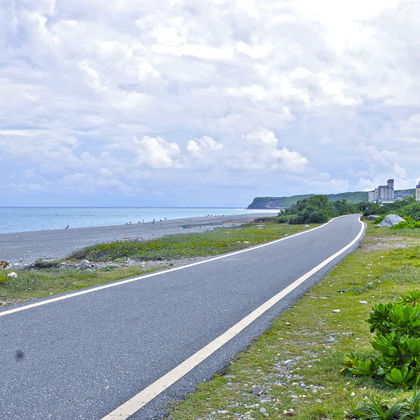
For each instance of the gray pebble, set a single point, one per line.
(256, 390)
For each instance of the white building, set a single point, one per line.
(383, 194)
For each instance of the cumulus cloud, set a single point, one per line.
(156, 152)
(257, 150)
(260, 150)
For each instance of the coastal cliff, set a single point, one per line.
(284, 202)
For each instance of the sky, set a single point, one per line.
(205, 103)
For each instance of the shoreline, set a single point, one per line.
(22, 248)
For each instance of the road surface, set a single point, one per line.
(84, 356)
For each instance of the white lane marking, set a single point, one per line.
(143, 397)
(145, 276)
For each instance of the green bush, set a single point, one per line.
(413, 211)
(318, 217)
(379, 219)
(397, 342)
(408, 224)
(283, 218)
(317, 209)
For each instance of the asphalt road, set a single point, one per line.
(84, 356)
(26, 247)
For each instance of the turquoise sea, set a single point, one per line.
(22, 219)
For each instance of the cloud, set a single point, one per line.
(205, 151)
(156, 152)
(257, 150)
(260, 151)
(208, 94)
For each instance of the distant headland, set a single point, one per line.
(284, 202)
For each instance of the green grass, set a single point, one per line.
(307, 343)
(189, 245)
(31, 284)
(385, 231)
(51, 279)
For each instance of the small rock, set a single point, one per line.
(336, 311)
(223, 412)
(256, 390)
(352, 394)
(363, 302)
(263, 410)
(12, 275)
(330, 340)
(3, 264)
(318, 400)
(85, 264)
(289, 412)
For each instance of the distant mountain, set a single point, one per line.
(281, 202)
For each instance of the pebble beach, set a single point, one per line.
(27, 247)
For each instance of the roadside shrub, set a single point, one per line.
(379, 219)
(407, 207)
(318, 217)
(408, 224)
(413, 211)
(283, 218)
(317, 209)
(397, 344)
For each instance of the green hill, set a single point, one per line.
(281, 202)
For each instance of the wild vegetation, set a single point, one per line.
(32, 283)
(408, 408)
(316, 209)
(188, 246)
(404, 208)
(397, 343)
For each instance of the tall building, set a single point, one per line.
(383, 194)
(373, 195)
(418, 191)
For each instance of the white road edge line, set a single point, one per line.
(148, 394)
(145, 276)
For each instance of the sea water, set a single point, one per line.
(22, 219)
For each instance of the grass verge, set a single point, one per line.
(293, 369)
(30, 284)
(190, 245)
(51, 278)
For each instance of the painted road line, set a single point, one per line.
(145, 276)
(148, 394)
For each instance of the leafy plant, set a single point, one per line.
(397, 342)
(374, 410)
(410, 298)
